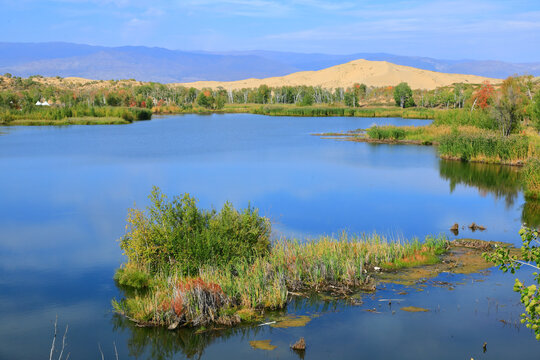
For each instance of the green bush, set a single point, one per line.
(176, 235)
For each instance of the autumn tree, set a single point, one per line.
(483, 97)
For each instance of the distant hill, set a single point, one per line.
(166, 66)
(371, 73)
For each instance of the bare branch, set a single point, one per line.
(54, 338)
(63, 343)
(526, 263)
(115, 350)
(101, 352)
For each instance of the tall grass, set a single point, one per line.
(277, 110)
(531, 179)
(194, 280)
(464, 117)
(485, 147)
(50, 114)
(386, 133)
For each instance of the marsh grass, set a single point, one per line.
(464, 117)
(81, 115)
(168, 290)
(71, 121)
(531, 179)
(484, 147)
(316, 111)
(467, 143)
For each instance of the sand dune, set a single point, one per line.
(371, 73)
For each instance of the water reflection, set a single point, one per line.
(64, 194)
(376, 329)
(530, 214)
(161, 344)
(503, 182)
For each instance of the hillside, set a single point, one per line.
(371, 73)
(169, 66)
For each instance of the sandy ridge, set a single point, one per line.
(371, 73)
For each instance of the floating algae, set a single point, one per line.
(292, 321)
(262, 345)
(464, 257)
(414, 309)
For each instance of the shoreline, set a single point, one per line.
(462, 256)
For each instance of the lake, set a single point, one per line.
(65, 192)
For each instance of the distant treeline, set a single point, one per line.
(18, 95)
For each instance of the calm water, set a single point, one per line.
(64, 195)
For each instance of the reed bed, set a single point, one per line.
(464, 117)
(240, 291)
(316, 111)
(81, 114)
(531, 179)
(87, 120)
(467, 143)
(485, 147)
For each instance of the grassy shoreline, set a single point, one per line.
(86, 120)
(193, 267)
(78, 115)
(241, 293)
(464, 143)
(304, 111)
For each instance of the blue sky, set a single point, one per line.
(502, 30)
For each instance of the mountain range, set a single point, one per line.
(171, 66)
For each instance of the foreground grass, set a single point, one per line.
(240, 292)
(193, 267)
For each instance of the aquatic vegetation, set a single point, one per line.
(292, 321)
(386, 132)
(425, 135)
(283, 110)
(130, 276)
(414, 309)
(486, 147)
(80, 114)
(466, 143)
(262, 344)
(193, 279)
(531, 179)
(464, 117)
